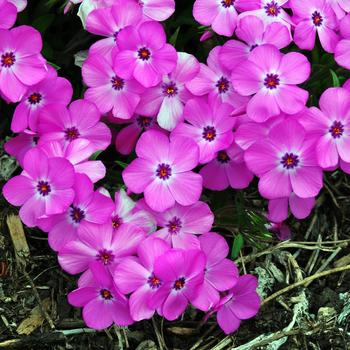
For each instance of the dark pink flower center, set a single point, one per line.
(223, 157)
(117, 83)
(271, 81)
(43, 188)
(106, 294)
(163, 171)
(144, 54)
(76, 214)
(105, 256)
(71, 133)
(180, 283)
(223, 85)
(227, 3)
(336, 130)
(35, 98)
(317, 19)
(209, 133)
(272, 9)
(169, 89)
(144, 122)
(116, 221)
(290, 161)
(8, 59)
(174, 225)
(154, 282)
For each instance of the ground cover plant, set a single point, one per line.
(186, 163)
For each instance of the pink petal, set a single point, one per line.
(307, 181)
(301, 207)
(158, 195)
(275, 184)
(18, 190)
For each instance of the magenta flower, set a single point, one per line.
(163, 171)
(330, 126)
(271, 77)
(109, 21)
(220, 274)
(342, 50)
(158, 10)
(138, 278)
(281, 230)
(8, 14)
(51, 89)
(102, 303)
(340, 7)
(227, 169)
(180, 224)
(107, 89)
(253, 32)
(20, 4)
(215, 81)
(311, 17)
(80, 120)
(220, 15)
(166, 100)
(21, 64)
(285, 161)
(43, 188)
(210, 127)
(99, 243)
(87, 207)
(241, 302)
(182, 274)
(144, 54)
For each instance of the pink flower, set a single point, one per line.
(138, 278)
(180, 224)
(271, 77)
(51, 89)
(215, 81)
(285, 161)
(227, 169)
(21, 64)
(340, 7)
(253, 32)
(144, 54)
(87, 207)
(102, 303)
(330, 126)
(20, 4)
(206, 36)
(221, 15)
(8, 14)
(311, 17)
(163, 171)
(241, 302)
(181, 273)
(281, 230)
(80, 120)
(210, 127)
(107, 89)
(220, 274)
(342, 50)
(158, 10)
(167, 99)
(43, 188)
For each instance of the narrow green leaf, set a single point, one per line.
(237, 246)
(121, 164)
(95, 155)
(336, 82)
(173, 38)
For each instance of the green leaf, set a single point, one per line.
(173, 38)
(336, 82)
(237, 246)
(54, 65)
(95, 155)
(121, 164)
(42, 23)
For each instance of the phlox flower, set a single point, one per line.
(180, 225)
(158, 10)
(80, 120)
(107, 89)
(342, 50)
(21, 64)
(285, 161)
(99, 243)
(215, 81)
(181, 273)
(252, 31)
(87, 207)
(8, 14)
(340, 7)
(220, 15)
(240, 303)
(311, 17)
(43, 188)
(163, 171)
(20, 4)
(102, 303)
(330, 125)
(51, 89)
(280, 229)
(227, 169)
(138, 278)
(144, 54)
(167, 99)
(209, 125)
(220, 274)
(272, 77)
